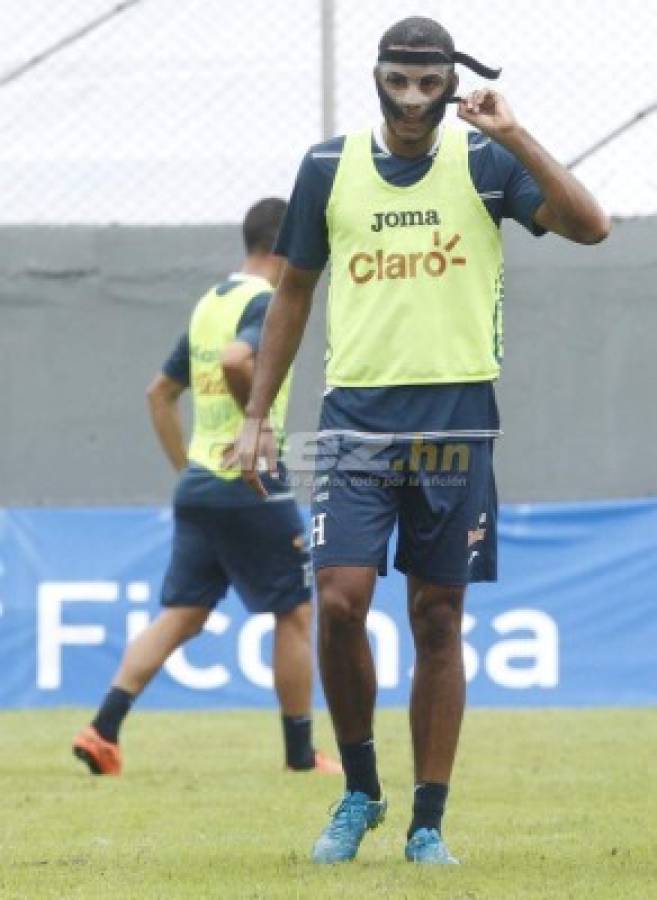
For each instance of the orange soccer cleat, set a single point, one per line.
(103, 757)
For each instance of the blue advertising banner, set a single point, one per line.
(572, 621)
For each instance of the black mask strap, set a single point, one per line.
(416, 57)
(476, 66)
(438, 57)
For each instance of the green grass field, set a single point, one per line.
(544, 804)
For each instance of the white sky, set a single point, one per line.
(188, 111)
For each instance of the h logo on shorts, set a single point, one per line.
(317, 537)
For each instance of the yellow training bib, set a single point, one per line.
(416, 284)
(217, 416)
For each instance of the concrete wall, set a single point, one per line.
(88, 314)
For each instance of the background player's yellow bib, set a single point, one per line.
(217, 417)
(416, 285)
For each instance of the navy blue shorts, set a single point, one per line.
(260, 550)
(441, 496)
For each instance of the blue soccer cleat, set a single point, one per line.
(355, 814)
(427, 846)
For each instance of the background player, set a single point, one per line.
(224, 534)
(410, 216)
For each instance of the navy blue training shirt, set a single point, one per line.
(507, 191)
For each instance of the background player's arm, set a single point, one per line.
(283, 329)
(569, 209)
(163, 395)
(238, 363)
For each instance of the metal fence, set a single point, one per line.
(167, 112)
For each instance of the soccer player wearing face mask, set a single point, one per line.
(409, 215)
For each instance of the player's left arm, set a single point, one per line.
(163, 395)
(238, 364)
(568, 208)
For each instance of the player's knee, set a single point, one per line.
(191, 622)
(338, 607)
(436, 613)
(299, 619)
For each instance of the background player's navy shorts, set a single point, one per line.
(259, 549)
(442, 497)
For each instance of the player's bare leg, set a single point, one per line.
(349, 680)
(147, 653)
(437, 700)
(345, 657)
(293, 681)
(293, 660)
(97, 744)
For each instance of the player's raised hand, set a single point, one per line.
(488, 111)
(254, 451)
